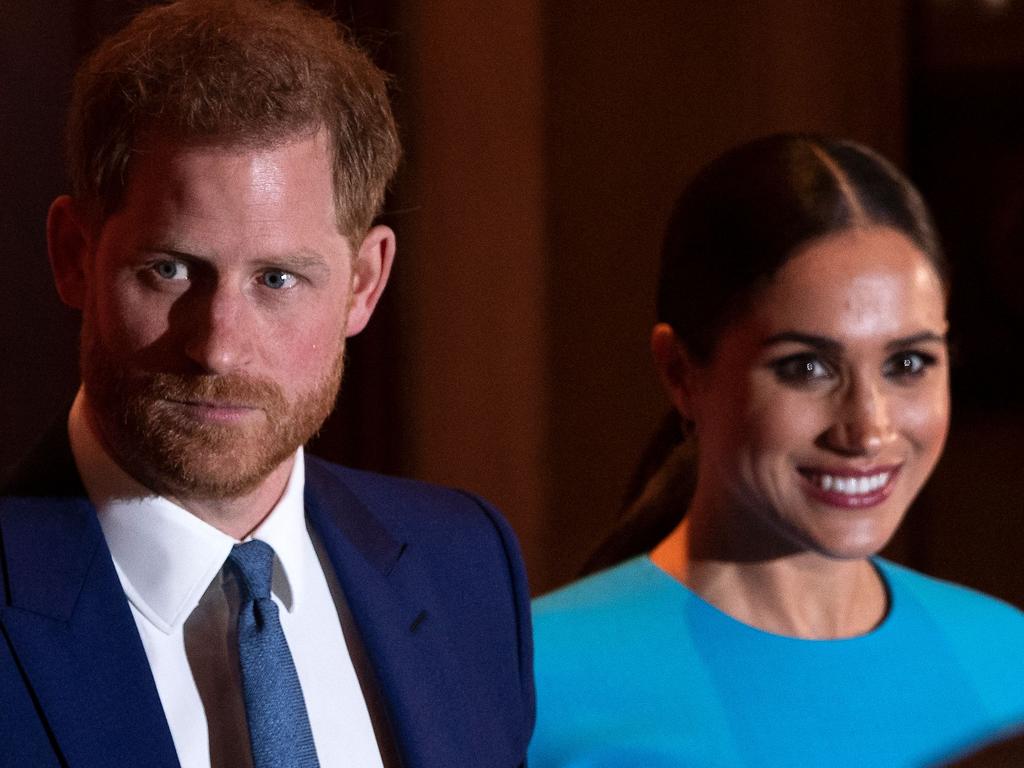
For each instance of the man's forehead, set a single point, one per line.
(161, 156)
(156, 140)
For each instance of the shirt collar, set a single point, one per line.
(167, 557)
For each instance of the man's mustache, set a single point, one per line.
(238, 390)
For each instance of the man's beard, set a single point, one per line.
(155, 439)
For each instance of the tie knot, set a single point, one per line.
(254, 561)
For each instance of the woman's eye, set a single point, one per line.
(170, 269)
(908, 364)
(802, 369)
(277, 279)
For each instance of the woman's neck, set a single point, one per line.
(794, 593)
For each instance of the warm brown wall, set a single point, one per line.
(641, 94)
(548, 143)
(37, 335)
(472, 252)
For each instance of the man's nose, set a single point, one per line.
(220, 335)
(863, 424)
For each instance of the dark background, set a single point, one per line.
(545, 143)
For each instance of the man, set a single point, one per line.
(180, 584)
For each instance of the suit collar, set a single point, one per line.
(363, 553)
(389, 587)
(60, 586)
(45, 510)
(333, 508)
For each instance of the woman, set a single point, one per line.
(801, 337)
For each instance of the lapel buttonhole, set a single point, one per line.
(417, 621)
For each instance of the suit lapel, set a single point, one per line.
(70, 629)
(390, 596)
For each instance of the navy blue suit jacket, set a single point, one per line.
(433, 578)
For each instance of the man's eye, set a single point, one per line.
(171, 270)
(277, 279)
(802, 369)
(908, 364)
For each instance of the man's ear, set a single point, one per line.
(370, 269)
(676, 368)
(67, 240)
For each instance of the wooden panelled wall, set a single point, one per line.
(549, 140)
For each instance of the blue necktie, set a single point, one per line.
(279, 729)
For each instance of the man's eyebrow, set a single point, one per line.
(299, 260)
(169, 251)
(302, 260)
(823, 343)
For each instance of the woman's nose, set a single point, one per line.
(863, 423)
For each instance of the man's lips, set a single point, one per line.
(847, 487)
(218, 411)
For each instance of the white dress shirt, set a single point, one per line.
(185, 605)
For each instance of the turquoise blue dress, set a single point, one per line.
(633, 669)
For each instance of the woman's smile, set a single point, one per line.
(851, 488)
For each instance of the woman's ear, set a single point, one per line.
(67, 242)
(676, 368)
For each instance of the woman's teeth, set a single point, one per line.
(852, 486)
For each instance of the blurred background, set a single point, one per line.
(545, 143)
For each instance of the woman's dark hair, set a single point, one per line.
(734, 226)
(745, 214)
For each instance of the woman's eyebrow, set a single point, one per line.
(823, 343)
(925, 337)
